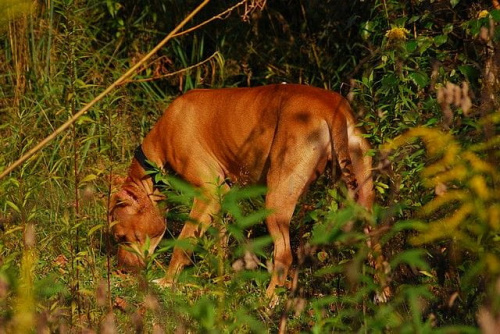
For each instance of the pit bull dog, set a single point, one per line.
(282, 136)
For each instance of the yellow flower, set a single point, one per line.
(482, 14)
(397, 33)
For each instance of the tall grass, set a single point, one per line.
(57, 270)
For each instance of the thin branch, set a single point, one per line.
(220, 16)
(217, 53)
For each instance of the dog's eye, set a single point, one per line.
(120, 237)
(138, 236)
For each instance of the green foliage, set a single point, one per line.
(11, 9)
(438, 214)
(466, 209)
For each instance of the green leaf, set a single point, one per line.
(84, 119)
(81, 84)
(182, 186)
(88, 178)
(412, 257)
(495, 14)
(414, 18)
(448, 28)
(13, 206)
(204, 312)
(440, 40)
(454, 3)
(94, 229)
(426, 273)
(49, 286)
(424, 43)
(367, 30)
(257, 245)
(390, 80)
(470, 72)
(12, 230)
(420, 79)
(411, 46)
(253, 218)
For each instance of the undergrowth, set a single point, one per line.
(419, 77)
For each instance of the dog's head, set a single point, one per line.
(136, 218)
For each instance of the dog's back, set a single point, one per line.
(233, 130)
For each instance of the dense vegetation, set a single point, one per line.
(422, 76)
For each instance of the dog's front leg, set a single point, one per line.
(200, 218)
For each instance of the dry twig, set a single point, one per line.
(214, 55)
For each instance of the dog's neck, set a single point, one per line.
(149, 167)
(142, 159)
(139, 171)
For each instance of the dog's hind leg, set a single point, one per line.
(278, 224)
(295, 160)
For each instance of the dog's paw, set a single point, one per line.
(382, 297)
(164, 282)
(274, 301)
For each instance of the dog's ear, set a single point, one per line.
(127, 198)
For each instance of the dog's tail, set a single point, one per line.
(352, 151)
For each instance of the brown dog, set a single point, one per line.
(282, 136)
